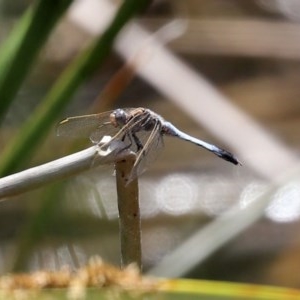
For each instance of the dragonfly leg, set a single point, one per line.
(130, 141)
(139, 145)
(130, 136)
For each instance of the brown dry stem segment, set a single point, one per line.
(129, 212)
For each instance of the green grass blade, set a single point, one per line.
(21, 146)
(225, 290)
(23, 46)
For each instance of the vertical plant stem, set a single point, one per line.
(129, 213)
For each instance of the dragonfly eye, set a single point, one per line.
(118, 117)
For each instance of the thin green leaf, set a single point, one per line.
(23, 45)
(225, 290)
(20, 148)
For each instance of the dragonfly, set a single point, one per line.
(140, 129)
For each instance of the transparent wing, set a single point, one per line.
(83, 126)
(95, 126)
(152, 146)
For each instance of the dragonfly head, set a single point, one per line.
(118, 117)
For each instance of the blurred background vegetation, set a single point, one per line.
(243, 57)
